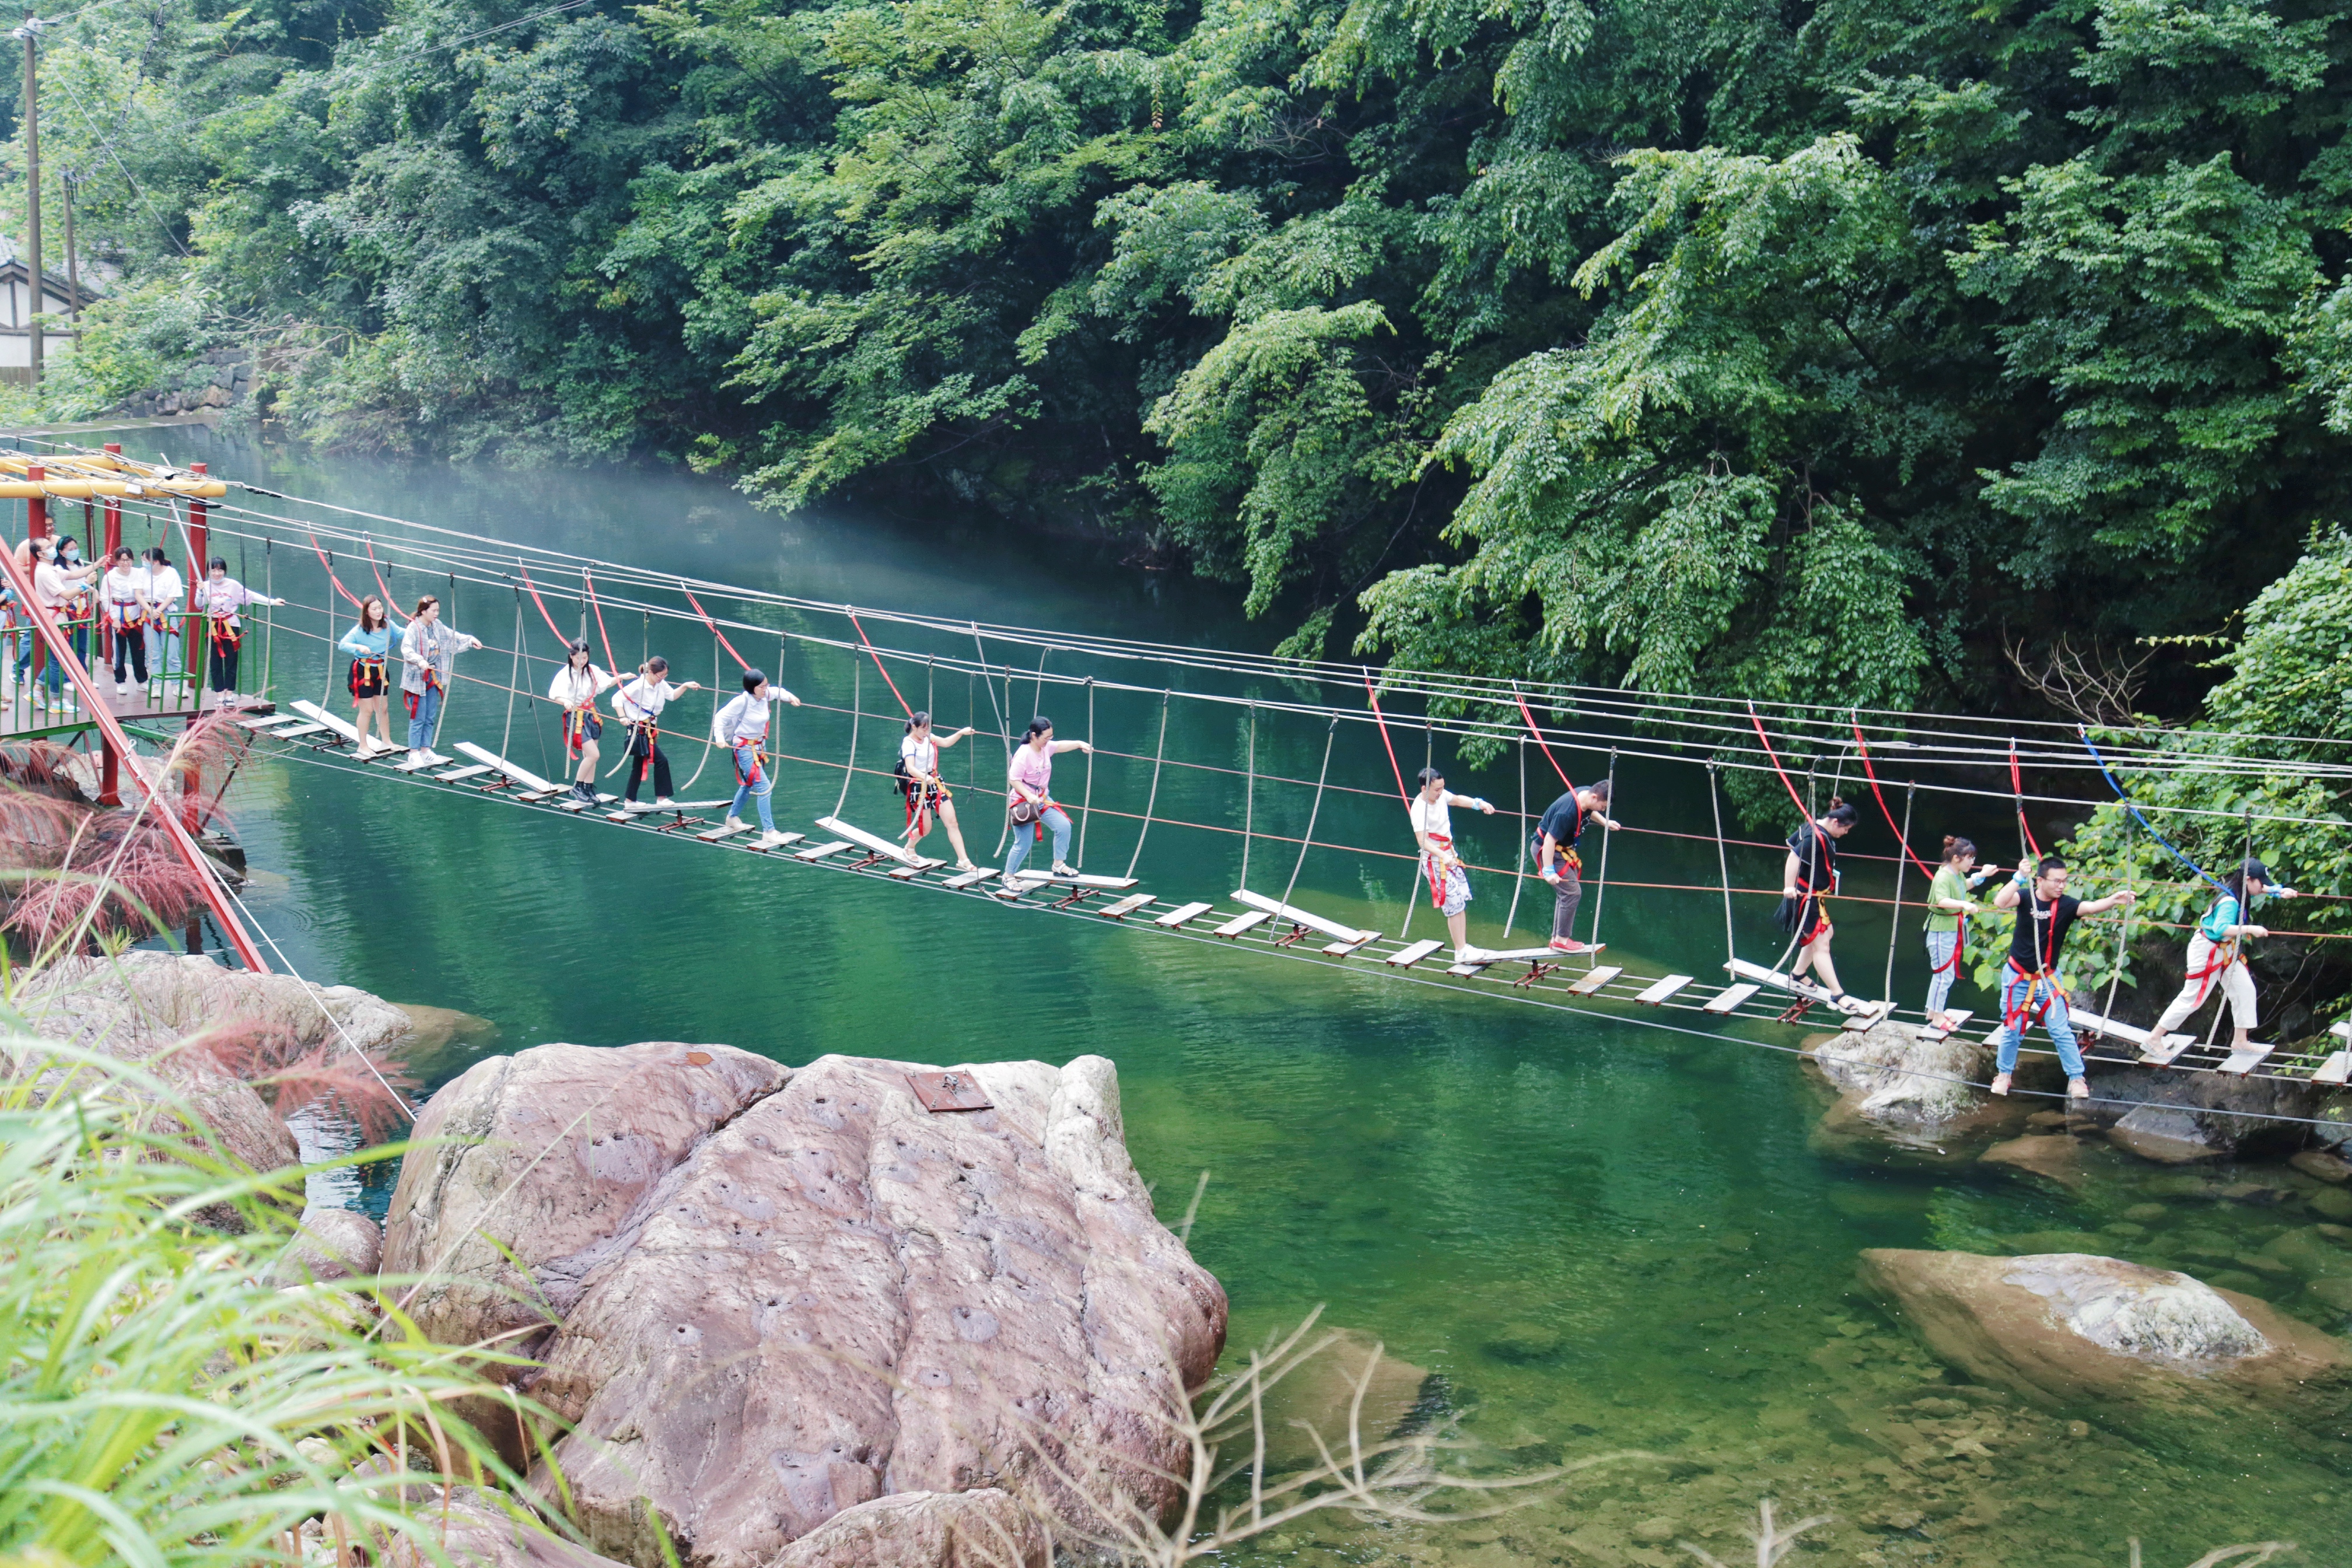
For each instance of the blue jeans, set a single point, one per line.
(1024, 834)
(2016, 991)
(163, 650)
(424, 712)
(53, 674)
(752, 784)
(1942, 969)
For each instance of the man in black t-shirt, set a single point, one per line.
(1558, 862)
(2031, 989)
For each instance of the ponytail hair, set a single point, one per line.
(2235, 881)
(1037, 726)
(655, 666)
(920, 716)
(1956, 847)
(577, 645)
(1838, 812)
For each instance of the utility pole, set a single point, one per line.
(73, 259)
(30, 32)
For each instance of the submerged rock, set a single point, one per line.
(2327, 1167)
(779, 1297)
(2054, 1156)
(2062, 1328)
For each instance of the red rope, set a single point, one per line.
(712, 625)
(1776, 768)
(2017, 784)
(588, 582)
(1540, 739)
(1428, 872)
(1925, 869)
(543, 607)
(381, 585)
(338, 582)
(877, 664)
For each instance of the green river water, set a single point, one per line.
(1595, 1236)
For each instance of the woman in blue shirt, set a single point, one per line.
(2217, 958)
(370, 646)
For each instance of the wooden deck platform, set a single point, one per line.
(27, 712)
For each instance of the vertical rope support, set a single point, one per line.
(514, 680)
(686, 790)
(441, 714)
(1306, 839)
(1086, 805)
(1722, 862)
(1600, 883)
(269, 621)
(2123, 945)
(1249, 792)
(1004, 731)
(1152, 799)
(856, 712)
(1519, 861)
(1902, 863)
(326, 688)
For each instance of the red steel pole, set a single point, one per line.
(197, 656)
(36, 508)
(46, 628)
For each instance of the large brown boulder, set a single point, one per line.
(529, 1168)
(2065, 1329)
(987, 1528)
(838, 1295)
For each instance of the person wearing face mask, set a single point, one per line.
(221, 599)
(55, 587)
(122, 593)
(78, 615)
(169, 597)
(2217, 958)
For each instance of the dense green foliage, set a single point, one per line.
(1796, 352)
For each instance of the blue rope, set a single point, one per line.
(2085, 734)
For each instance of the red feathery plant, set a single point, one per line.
(365, 1088)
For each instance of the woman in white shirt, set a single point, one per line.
(574, 690)
(122, 598)
(927, 794)
(1432, 828)
(167, 597)
(638, 706)
(55, 587)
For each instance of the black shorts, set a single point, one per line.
(366, 681)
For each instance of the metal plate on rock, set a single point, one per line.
(949, 1091)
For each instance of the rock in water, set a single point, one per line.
(1901, 1077)
(2167, 1135)
(2053, 1156)
(548, 1156)
(2061, 1328)
(784, 1297)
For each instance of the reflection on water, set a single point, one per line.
(1593, 1236)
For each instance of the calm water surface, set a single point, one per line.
(1596, 1235)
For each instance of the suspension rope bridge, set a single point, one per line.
(195, 515)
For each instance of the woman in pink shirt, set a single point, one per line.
(1027, 786)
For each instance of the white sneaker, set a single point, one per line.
(122, 688)
(416, 757)
(770, 838)
(734, 824)
(664, 801)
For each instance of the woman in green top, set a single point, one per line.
(1948, 907)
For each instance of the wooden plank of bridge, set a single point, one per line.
(2337, 1068)
(515, 770)
(859, 837)
(963, 879)
(1240, 923)
(1297, 916)
(297, 731)
(2164, 1054)
(1729, 998)
(715, 834)
(1594, 979)
(471, 771)
(1342, 949)
(816, 852)
(2243, 1062)
(1406, 957)
(1658, 991)
(1124, 907)
(1181, 913)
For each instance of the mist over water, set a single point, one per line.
(1595, 1235)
